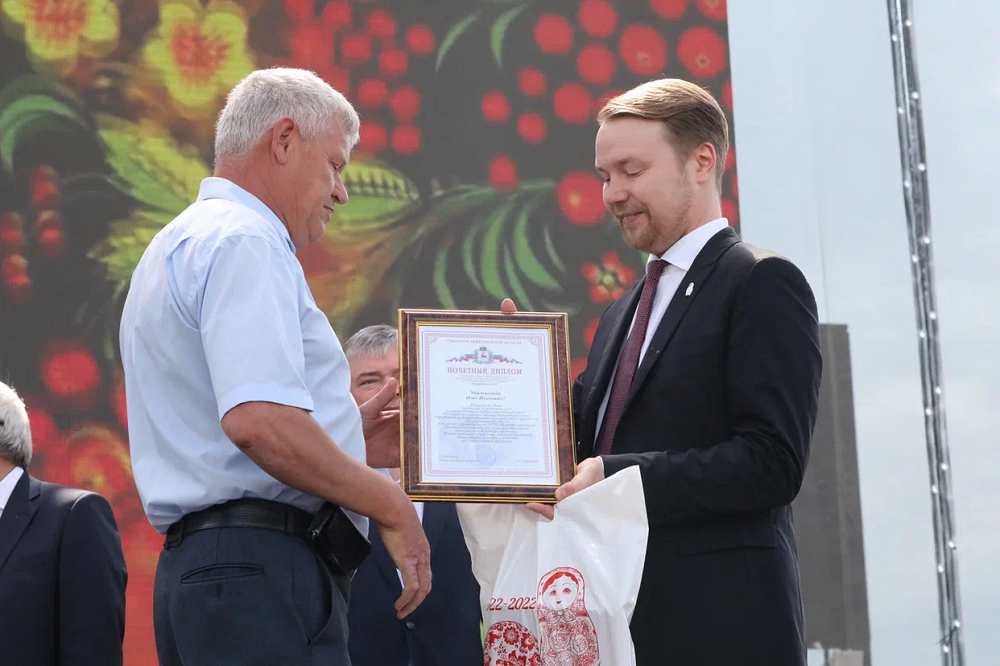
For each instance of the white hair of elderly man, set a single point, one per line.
(376, 340)
(266, 96)
(15, 431)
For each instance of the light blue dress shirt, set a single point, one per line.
(219, 313)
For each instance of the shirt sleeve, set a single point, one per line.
(250, 325)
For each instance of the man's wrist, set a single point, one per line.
(396, 505)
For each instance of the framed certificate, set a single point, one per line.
(486, 413)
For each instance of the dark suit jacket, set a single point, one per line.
(719, 420)
(444, 629)
(62, 578)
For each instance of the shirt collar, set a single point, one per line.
(214, 187)
(7, 486)
(683, 253)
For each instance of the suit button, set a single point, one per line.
(410, 625)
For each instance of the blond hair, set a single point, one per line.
(692, 116)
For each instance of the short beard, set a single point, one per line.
(657, 238)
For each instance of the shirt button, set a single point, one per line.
(410, 625)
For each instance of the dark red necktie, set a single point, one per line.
(628, 360)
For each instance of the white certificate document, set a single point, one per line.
(486, 410)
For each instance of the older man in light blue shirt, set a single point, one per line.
(241, 420)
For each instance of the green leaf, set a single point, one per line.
(549, 306)
(148, 164)
(441, 281)
(38, 85)
(550, 247)
(468, 248)
(378, 196)
(490, 253)
(526, 259)
(127, 239)
(515, 284)
(28, 115)
(452, 35)
(499, 29)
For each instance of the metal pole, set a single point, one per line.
(918, 223)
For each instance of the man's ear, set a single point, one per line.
(282, 137)
(705, 160)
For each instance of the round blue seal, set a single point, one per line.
(486, 457)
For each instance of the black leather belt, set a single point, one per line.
(258, 513)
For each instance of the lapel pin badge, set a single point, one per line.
(690, 289)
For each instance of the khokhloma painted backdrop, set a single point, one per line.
(473, 180)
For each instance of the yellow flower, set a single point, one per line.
(57, 32)
(200, 53)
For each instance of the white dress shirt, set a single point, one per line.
(7, 486)
(679, 258)
(219, 313)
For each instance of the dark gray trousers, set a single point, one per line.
(247, 596)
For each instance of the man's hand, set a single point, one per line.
(381, 427)
(588, 472)
(288, 443)
(407, 545)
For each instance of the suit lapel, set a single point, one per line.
(21, 508)
(688, 290)
(609, 359)
(435, 517)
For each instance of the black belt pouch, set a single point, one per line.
(337, 540)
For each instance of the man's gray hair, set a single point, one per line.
(15, 431)
(266, 96)
(376, 340)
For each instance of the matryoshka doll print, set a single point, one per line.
(509, 643)
(566, 633)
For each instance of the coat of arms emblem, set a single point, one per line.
(483, 356)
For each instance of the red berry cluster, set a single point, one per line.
(369, 66)
(47, 229)
(70, 373)
(602, 47)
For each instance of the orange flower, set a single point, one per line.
(97, 459)
(200, 53)
(608, 280)
(57, 32)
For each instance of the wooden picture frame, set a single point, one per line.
(424, 476)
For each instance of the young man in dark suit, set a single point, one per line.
(62, 570)
(444, 630)
(706, 375)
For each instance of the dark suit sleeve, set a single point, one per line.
(773, 370)
(577, 398)
(585, 379)
(92, 579)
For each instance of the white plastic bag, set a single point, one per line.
(560, 593)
